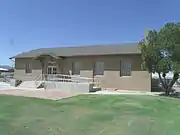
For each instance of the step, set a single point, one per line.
(30, 84)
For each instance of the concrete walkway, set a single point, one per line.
(44, 94)
(57, 94)
(125, 92)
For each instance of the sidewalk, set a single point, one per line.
(44, 94)
(125, 92)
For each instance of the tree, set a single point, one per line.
(160, 52)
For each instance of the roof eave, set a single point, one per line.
(12, 57)
(130, 53)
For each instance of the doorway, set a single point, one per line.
(52, 70)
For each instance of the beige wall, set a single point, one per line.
(20, 65)
(139, 80)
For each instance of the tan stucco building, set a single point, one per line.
(114, 66)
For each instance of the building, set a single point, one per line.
(114, 66)
(3, 70)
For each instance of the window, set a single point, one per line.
(76, 67)
(99, 68)
(28, 68)
(125, 68)
(49, 70)
(51, 63)
(54, 70)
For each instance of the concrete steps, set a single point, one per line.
(30, 84)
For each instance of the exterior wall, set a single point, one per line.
(58, 64)
(139, 80)
(20, 65)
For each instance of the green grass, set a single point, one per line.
(90, 115)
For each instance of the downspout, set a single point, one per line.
(42, 70)
(42, 65)
(93, 71)
(151, 81)
(62, 66)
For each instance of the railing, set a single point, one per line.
(6, 77)
(39, 78)
(70, 78)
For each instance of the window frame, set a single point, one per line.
(124, 64)
(101, 73)
(28, 68)
(51, 70)
(54, 70)
(74, 72)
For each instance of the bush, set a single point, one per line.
(94, 89)
(18, 82)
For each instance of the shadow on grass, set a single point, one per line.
(173, 95)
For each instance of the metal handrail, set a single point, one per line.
(5, 77)
(70, 78)
(39, 78)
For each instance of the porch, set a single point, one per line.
(50, 63)
(54, 69)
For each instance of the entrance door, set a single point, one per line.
(52, 67)
(52, 70)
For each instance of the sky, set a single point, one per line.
(31, 24)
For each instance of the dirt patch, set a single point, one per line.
(45, 94)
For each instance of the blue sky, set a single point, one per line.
(30, 24)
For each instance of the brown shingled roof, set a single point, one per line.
(111, 49)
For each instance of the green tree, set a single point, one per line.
(161, 53)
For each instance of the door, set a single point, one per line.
(52, 67)
(52, 70)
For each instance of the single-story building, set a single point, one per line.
(114, 66)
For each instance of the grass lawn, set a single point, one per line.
(90, 115)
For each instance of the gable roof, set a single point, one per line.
(111, 49)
